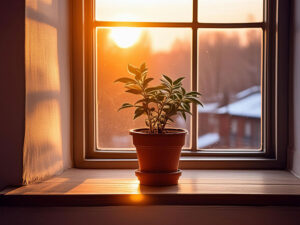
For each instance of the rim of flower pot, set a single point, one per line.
(176, 131)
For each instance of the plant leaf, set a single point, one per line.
(134, 87)
(147, 123)
(139, 101)
(134, 91)
(143, 67)
(183, 115)
(183, 91)
(138, 112)
(171, 120)
(125, 105)
(194, 100)
(178, 80)
(147, 90)
(165, 83)
(185, 106)
(146, 82)
(187, 111)
(144, 74)
(126, 80)
(193, 93)
(133, 70)
(168, 79)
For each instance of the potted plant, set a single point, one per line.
(158, 146)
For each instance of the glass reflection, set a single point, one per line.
(230, 11)
(165, 50)
(144, 10)
(229, 74)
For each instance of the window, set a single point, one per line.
(228, 50)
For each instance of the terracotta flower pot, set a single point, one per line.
(158, 155)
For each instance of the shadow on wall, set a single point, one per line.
(48, 121)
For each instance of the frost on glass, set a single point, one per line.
(165, 50)
(229, 72)
(144, 10)
(230, 11)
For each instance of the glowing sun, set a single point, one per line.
(125, 37)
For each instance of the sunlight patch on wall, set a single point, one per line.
(35, 4)
(42, 70)
(48, 2)
(43, 137)
(43, 144)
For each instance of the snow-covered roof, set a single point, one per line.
(208, 139)
(209, 107)
(249, 106)
(248, 91)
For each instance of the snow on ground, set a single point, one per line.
(208, 139)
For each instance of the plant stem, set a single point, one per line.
(160, 111)
(148, 112)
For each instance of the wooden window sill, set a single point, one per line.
(109, 187)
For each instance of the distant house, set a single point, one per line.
(235, 125)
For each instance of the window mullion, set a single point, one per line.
(194, 74)
(194, 24)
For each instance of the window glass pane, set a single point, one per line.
(165, 50)
(230, 11)
(144, 10)
(229, 70)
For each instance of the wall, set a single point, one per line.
(47, 144)
(146, 215)
(294, 153)
(12, 91)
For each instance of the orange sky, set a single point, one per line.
(178, 11)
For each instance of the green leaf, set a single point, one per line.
(147, 90)
(133, 70)
(178, 80)
(185, 106)
(168, 79)
(187, 101)
(194, 100)
(178, 96)
(134, 91)
(138, 112)
(183, 115)
(166, 83)
(133, 87)
(167, 107)
(125, 105)
(187, 111)
(144, 74)
(183, 91)
(193, 93)
(171, 120)
(160, 98)
(138, 77)
(147, 123)
(178, 86)
(146, 82)
(143, 67)
(126, 80)
(139, 101)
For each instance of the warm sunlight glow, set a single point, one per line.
(136, 197)
(125, 37)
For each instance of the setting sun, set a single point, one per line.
(125, 37)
